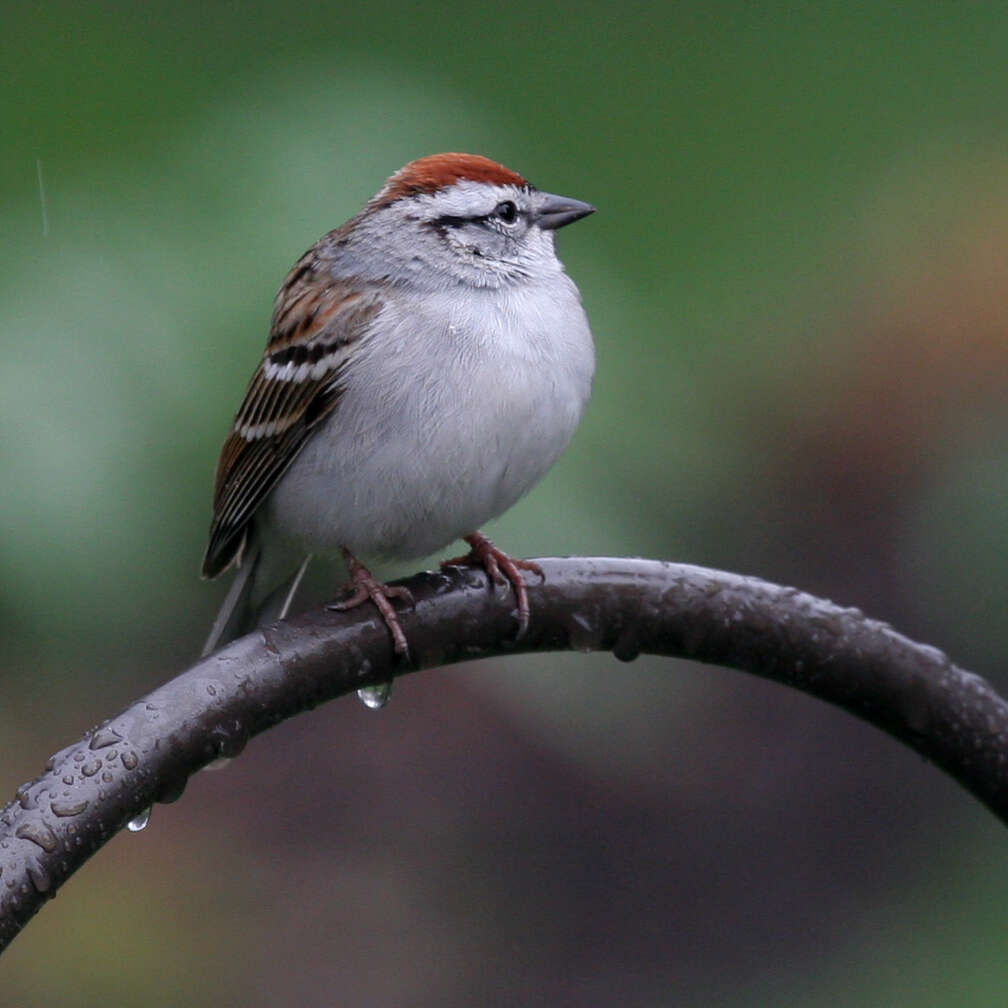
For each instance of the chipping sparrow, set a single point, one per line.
(427, 363)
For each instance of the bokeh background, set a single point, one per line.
(798, 281)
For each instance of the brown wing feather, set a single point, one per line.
(315, 322)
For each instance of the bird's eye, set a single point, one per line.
(506, 212)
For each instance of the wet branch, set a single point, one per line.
(145, 754)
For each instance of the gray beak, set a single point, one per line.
(556, 211)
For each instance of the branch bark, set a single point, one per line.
(145, 754)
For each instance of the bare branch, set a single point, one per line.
(90, 790)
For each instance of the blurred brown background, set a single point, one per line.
(798, 282)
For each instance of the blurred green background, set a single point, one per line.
(798, 282)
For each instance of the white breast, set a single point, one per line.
(449, 415)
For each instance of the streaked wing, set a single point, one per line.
(316, 322)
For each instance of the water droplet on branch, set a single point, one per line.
(140, 822)
(375, 697)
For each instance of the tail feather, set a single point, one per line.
(244, 607)
(277, 604)
(235, 610)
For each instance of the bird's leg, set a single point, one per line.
(368, 588)
(502, 569)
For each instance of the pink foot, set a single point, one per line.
(368, 588)
(502, 569)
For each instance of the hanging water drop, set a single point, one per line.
(375, 697)
(140, 822)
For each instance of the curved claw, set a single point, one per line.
(529, 565)
(502, 570)
(367, 588)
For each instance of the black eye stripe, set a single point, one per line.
(506, 211)
(451, 221)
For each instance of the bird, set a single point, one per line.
(427, 363)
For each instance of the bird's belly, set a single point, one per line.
(426, 467)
